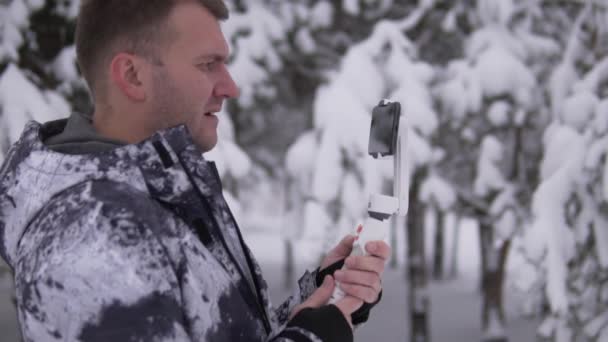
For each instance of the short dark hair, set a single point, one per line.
(105, 27)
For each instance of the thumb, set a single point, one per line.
(345, 246)
(318, 298)
(322, 295)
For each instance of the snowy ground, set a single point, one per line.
(455, 305)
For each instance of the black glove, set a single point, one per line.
(362, 314)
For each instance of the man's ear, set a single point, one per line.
(127, 73)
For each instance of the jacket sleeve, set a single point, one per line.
(93, 271)
(306, 286)
(326, 323)
(323, 324)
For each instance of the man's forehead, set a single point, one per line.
(197, 27)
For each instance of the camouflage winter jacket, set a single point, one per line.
(136, 244)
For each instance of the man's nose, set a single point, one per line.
(226, 87)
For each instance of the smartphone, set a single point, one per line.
(384, 129)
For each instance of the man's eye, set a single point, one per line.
(209, 65)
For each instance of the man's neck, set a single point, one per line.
(108, 125)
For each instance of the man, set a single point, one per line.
(115, 225)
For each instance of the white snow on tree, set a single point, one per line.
(568, 240)
(344, 175)
(23, 97)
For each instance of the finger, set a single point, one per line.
(356, 277)
(318, 298)
(348, 305)
(378, 248)
(364, 293)
(365, 263)
(322, 294)
(345, 246)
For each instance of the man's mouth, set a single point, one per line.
(212, 112)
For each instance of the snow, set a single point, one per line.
(57, 103)
(461, 93)
(351, 7)
(419, 151)
(264, 29)
(449, 23)
(354, 199)
(64, 66)
(600, 232)
(549, 225)
(500, 73)
(498, 114)
(436, 190)
(596, 151)
(327, 179)
(499, 12)
(547, 327)
(316, 222)
(600, 125)
(301, 154)
(35, 4)
(14, 17)
(361, 76)
(593, 78)
(321, 15)
(560, 84)
(230, 159)
(538, 46)
(605, 180)
(495, 328)
(305, 41)
(558, 141)
(494, 37)
(506, 226)
(416, 107)
(489, 176)
(23, 101)
(578, 110)
(469, 258)
(68, 9)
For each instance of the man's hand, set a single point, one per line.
(321, 296)
(361, 278)
(341, 251)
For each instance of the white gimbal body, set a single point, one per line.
(388, 138)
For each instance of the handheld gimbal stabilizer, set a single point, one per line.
(388, 137)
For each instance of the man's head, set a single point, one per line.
(152, 64)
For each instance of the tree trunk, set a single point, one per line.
(455, 242)
(493, 317)
(289, 264)
(394, 226)
(293, 204)
(418, 283)
(439, 253)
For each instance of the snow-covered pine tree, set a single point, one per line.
(568, 243)
(37, 70)
(38, 76)
(490, 100)
(343, 176)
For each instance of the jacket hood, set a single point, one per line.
(32, 174)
